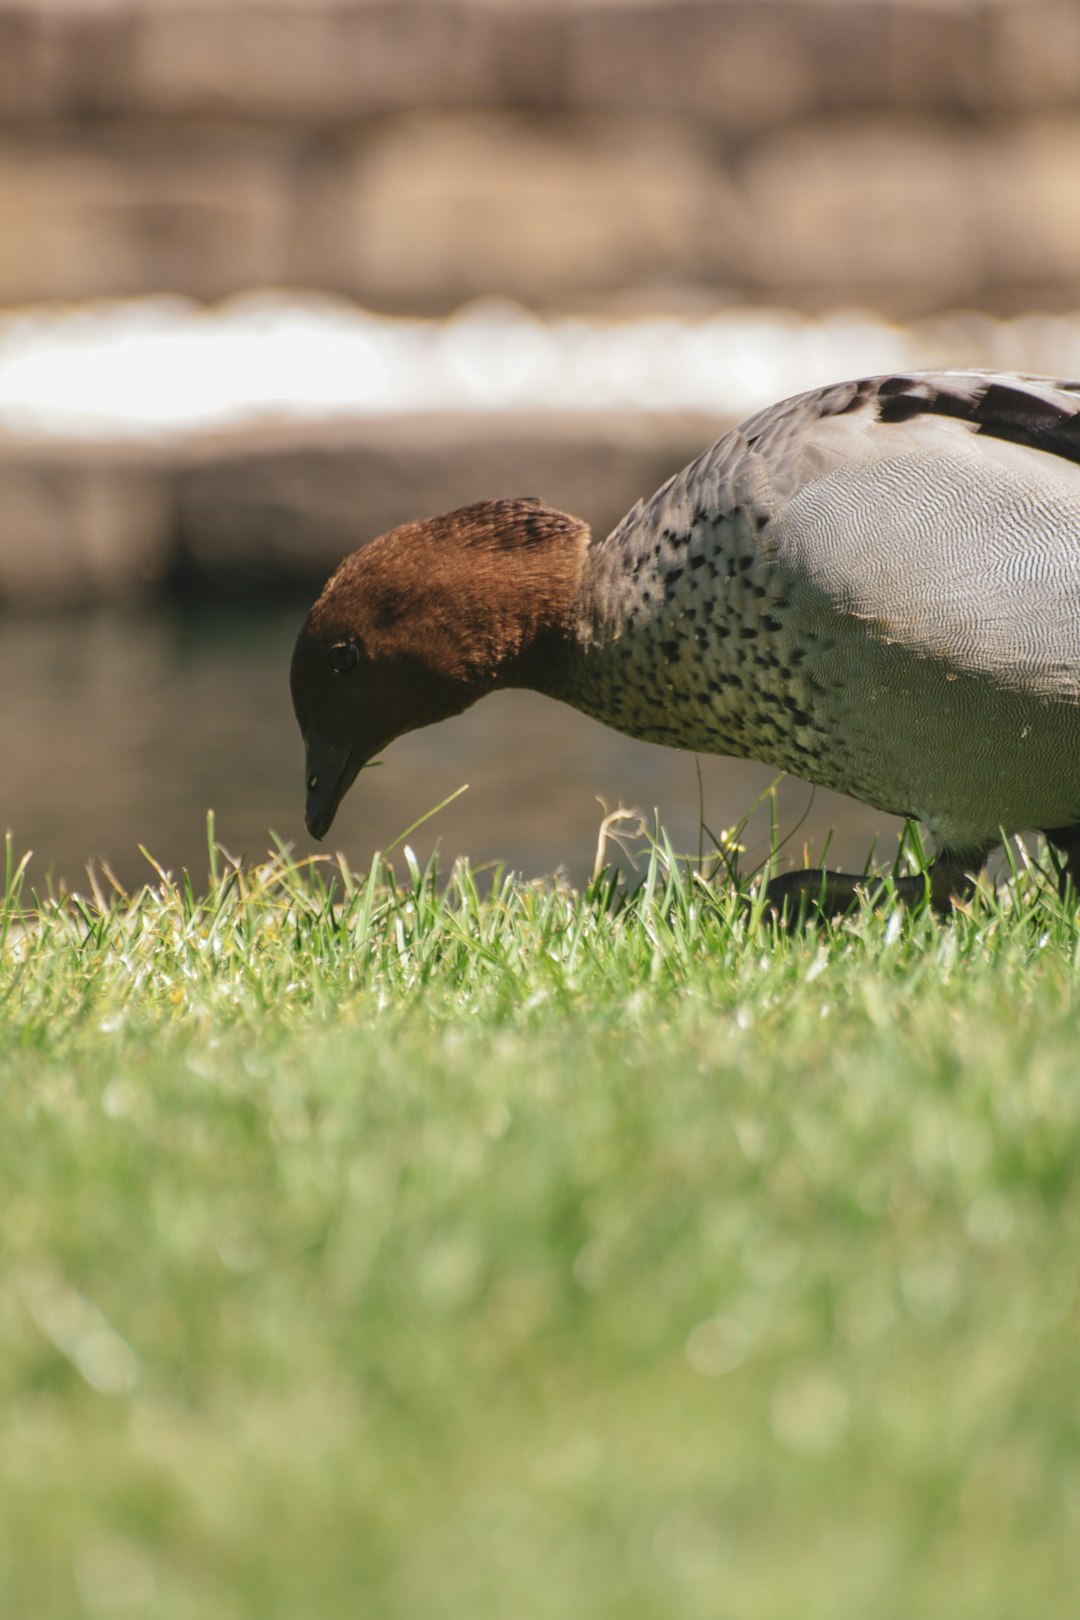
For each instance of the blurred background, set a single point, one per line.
(277, 274)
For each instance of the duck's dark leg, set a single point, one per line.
(830, 894)
(952, 877)
(1066, 840)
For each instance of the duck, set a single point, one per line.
(873, 586)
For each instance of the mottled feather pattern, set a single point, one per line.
(776, 600)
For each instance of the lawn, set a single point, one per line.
(382, 1246)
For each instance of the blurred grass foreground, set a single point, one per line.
(379, 1248)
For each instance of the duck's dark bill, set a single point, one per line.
(331, 772)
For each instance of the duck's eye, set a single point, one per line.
(343, 656)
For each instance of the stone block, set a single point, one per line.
(63, 60)
(863, 212)
(1029, 209)
(912, 219)
(128, 211)
(747, 65)
(82, 524)
(311, 62)
(441, 209)
(1031, 56)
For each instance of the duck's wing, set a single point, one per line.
(944, 510)
(942, 507)
(767, 459)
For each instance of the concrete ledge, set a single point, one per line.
(279, 513)
(265, 515)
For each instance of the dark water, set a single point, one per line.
(117, 731)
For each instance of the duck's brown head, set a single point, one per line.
(417, 625)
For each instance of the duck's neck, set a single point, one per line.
(569, 632)
(532, 610)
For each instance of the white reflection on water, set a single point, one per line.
(127, 729)
(149, 367)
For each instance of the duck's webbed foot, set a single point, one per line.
(832, 894)
(815, 893)
(1066, 841)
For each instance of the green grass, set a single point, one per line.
(397, 1250)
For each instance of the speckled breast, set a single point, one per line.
(698, 643)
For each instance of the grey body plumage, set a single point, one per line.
(875, 586)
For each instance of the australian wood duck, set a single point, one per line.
(874, 586)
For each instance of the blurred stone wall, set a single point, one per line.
(907, 154)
